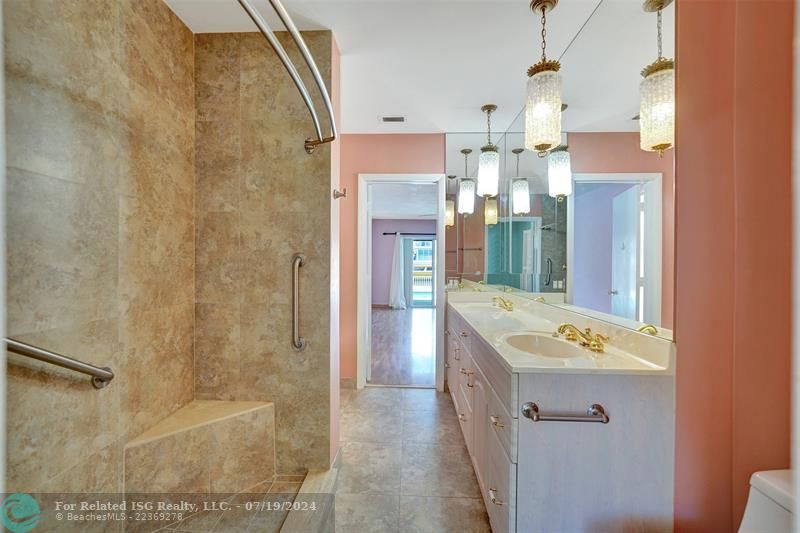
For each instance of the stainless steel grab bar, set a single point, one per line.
(100, 376)
(298, 342)
(262, 25)
(595, 413)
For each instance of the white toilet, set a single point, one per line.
(770, 505)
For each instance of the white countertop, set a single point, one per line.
(627, 352)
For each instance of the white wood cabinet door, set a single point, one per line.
(590, 477)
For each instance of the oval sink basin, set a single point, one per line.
(545, 346)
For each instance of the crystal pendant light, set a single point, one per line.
(490, 211)
(449, 213)
(489, 161)
(466, 189)
(520, 190)
(559, 173)
(543, 103)
(466, 196)
(657, 95)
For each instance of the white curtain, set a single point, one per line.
(397, 297)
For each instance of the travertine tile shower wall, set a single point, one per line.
(259, 199)
(100, 125)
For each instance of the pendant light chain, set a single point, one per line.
(518, 164)
(544, 34)
(488, 127)
(466, 171)
(660, 52)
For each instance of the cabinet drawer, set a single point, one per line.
(501, 380)
(500, 486)
(464, 419)
(502, 423)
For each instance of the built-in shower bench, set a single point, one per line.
(206, 447)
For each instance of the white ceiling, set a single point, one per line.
(437, 61)
(403, 200)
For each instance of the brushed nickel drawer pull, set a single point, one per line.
(493, 497)
(595, 413)
(461, 417)
(464, 334)
(496, 421)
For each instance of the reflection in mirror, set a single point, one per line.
(605, 246)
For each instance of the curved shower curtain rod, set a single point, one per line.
(262, 25)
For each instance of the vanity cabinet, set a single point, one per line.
(550, 476)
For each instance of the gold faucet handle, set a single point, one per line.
(601, 337)
(597, 346)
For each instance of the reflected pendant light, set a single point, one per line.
(520, 191)
(543, 102)
(449, 213)
(559, 173)
(490, 211)
(489, 161)
(466, 189)
(466, 196)
(657, 95)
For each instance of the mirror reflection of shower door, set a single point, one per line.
(420, 266)
(625, 245)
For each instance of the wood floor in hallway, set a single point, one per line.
(404, 346)
(404, 466)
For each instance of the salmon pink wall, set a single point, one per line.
(372, 154)
(620, 152)
(733, 224)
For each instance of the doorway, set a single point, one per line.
(400, 282)
(614, 245)
(419, 280)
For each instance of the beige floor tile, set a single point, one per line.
(432, 427)
(427, 400)
(437, 470)
(362, 513)
(369, 468)
(371, 425)
(443, 515)
(375, 398)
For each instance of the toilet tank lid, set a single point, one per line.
(775, 485)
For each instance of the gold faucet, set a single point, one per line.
(594, 341)
(508, 305)
(539, 299)
(650, 329)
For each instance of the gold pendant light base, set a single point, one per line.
(489, 108)
(488, 148)
(544, 66)
(652, 6)
(662, 63)
(517, 151)
(537, 6)
(466, 151)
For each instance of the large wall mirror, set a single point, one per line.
(606, 248)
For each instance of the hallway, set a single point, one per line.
(404, 347)
(405, 469)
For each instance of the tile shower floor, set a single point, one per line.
(404, 466)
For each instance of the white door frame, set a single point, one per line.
(364, 285)
(653, 221)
